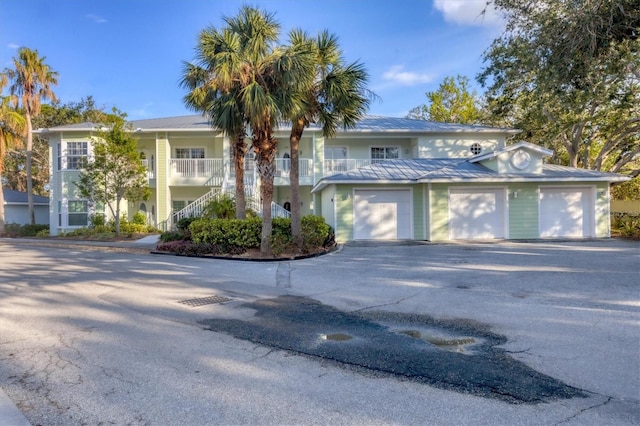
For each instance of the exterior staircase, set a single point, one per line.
(252, 199)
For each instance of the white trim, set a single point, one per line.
(384, 147)
(424, 211)
(430, 224)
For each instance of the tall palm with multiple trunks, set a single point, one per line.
(13, 126)
(253, 82)
(31, 81)
(334, 96)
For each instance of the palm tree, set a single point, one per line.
(273, 82)
(242, 79)
(214, 85)
(334, 96)
(12, 129)
(31, 83)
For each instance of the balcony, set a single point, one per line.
(196, 171)
(333, 167)
(283, 169)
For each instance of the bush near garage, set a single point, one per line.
(625, 225)
(237, 236)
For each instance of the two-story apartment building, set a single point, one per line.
(388, 178)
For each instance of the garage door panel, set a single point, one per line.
(476, 213)
(565, 212)
(382, 214)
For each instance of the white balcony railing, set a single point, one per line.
(150, 173)
(332, 167)
(305, 167)
(196, 168)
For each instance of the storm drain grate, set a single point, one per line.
(201, 301)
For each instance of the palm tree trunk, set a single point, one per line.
(266, 192)
(239, 151)
(294, 180)
(266, 147)
(32, 215)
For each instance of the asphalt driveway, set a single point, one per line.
(100, 336)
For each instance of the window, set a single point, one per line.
(78, 213)
(76, 155)
(335, 159)
(335, 153)
(189, 152)
(59, 150)
(382, 153)
(177, 205)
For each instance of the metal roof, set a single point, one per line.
(368, 124)
(442, 170)
(17, 197)
(376, 123)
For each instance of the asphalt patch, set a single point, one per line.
(400, 345)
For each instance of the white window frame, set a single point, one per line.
(78, 213)
(385, 149)
(84, 154)
(191, 150)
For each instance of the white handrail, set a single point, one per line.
(332, 167)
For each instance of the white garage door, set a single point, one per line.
(476, 213)
(566, 212)
(381, 214)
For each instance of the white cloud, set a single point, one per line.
(469, 12)
(405, 78)
(13, 46)
(96, 18)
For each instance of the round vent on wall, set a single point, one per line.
(520, 159)
(476, 148)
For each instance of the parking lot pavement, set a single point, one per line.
(91, 337)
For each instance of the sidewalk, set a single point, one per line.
(145, 243)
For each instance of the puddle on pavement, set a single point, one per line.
(451, 344)
(336, 337)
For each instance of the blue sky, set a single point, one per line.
(129, 53)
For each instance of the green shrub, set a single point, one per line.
(228, 234)
(183, 224)
(102, 229)
(78, 232)
(168, 236)
(139, 218)
(96, 220)
(625, 225)
(133, 228)
(12, 230)
(44, 233)
(32, 230)
(315, 233)
(281, 238)
(224, 207)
